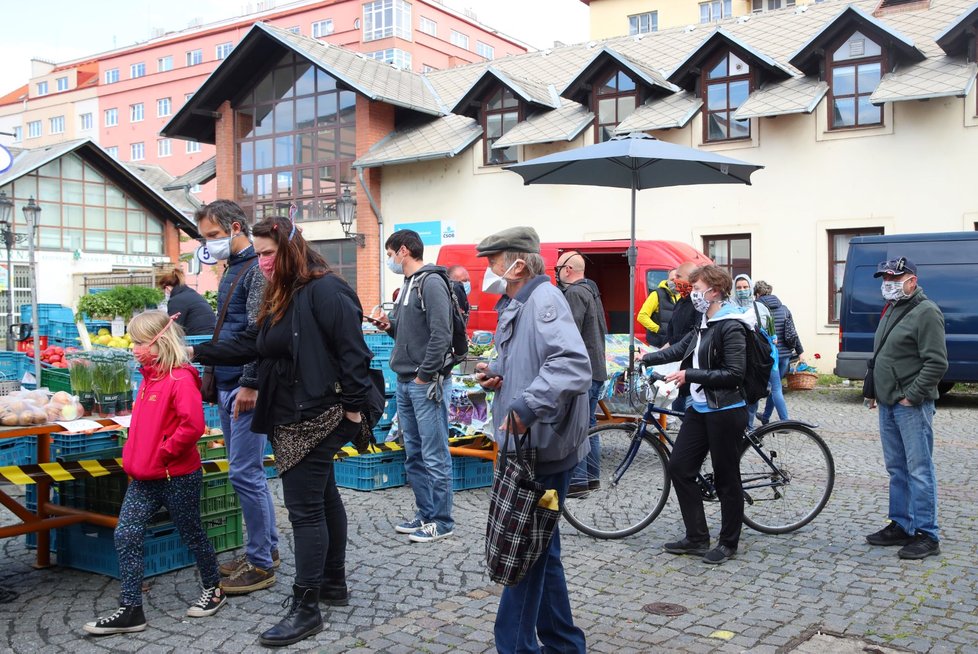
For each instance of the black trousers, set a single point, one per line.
(719, 433)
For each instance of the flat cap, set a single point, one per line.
(899, 266)
(514, 239)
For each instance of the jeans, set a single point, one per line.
(776, 399)
(590, 468)
(719, 433)
(181, 497)
(907, 436)
(427, 462)
(539, 606)
(317, 513)
(246, 470)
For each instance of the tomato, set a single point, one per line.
(55, 358)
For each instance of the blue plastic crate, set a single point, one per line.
(367, 472)
(271, 472)
(69, 445)
(212, 415)
(91, 548)
(18, 451)
(13, 365)
(194, 340)
(66, 331)
(45, 314)
(390, 377)
(380, 344)
(30, 503)
(471, 472)
(390, 410)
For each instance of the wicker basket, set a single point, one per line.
(802, 381)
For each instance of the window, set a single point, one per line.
(136, 112)
(396, 56)
(485, 51)
(18, 133)
(342, 257)
(195, 188)
(112, 151)
(295, 29)
(187, 96)
(163, 107)
(729, 251)
(855, 68)
(164, 64)
(57, 125)
(383, 18)
(758, 6)
(500, 113)
(425, 68)
(33, 129)
(614, 100)
(111, 117)
(838, 251)
(86, 121)
(137, 70)
(726, 85)
(163, 148)
(193, 147)
(643, 23)
(137, 152)
(710, 12)
(428, 26)
(322, 28)
(42, 88)
(223, 50)
(112, 76)
(459, 39)
(62, 83)
(195, 57)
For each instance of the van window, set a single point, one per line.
(655, 277)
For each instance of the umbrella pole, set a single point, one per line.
(632, 262)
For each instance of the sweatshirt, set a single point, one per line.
(422, 337)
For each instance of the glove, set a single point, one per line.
(347, 429)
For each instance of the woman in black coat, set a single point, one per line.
(196, 315)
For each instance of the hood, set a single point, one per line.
(733, 290)
(733, 311)
(430, 267)
(770, 301)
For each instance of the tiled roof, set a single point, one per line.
(933, 78)
(199, 174)
(433, 139)
(160, 180)
(686, 67)
(17, 95)
(529, 91)
(563, 124)
(794, 96)
(954, 36)
(672, 111)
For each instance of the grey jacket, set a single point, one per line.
(545, 374)
(422, 337)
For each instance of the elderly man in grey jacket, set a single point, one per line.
(541, 377)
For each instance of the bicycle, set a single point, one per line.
(786, 470)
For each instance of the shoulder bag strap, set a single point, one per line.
(227, 301)
(892, 326)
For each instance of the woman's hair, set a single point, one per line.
(762, 288)
(296, 264)
(715, 277)
(171, 278)
(144, 328)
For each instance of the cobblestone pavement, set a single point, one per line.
(436, 598)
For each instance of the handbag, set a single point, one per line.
(520, 526)
(208, 383)
(869, 383)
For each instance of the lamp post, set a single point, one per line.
(32, 212)
(346, 211)
(9, 238)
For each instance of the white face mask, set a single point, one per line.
(700, 303)
(892, 291)
(220, 248)
(493, 283)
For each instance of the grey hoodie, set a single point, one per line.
(767, 322)
(422, 337)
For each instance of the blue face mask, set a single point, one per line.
(394, 266)
(467, 287)
(744, 296)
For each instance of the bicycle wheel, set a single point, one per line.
(628, 489)
(787, 490)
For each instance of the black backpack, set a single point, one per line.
(760, 361)
(460, 339)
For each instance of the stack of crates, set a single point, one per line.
(382, 345)
(13, 365)
(65, 332)
(46, 314)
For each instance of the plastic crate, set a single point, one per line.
(13, 365)
(46, 313)
(381, 432)
(18, 451)
(212, 448)
(367, 472)
(271, 472)
(212, 415)
(30, 503)
(380, 344)
(225, 530)
(390, 410)
(56, 379)
(91, 548)
(217, 495)
(194, 340)
(66, 446)
(390, 377)
(66, 331)
(470, 472)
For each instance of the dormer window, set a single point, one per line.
(727, 81)
(855, 69)
(500, 113)
(614, 100)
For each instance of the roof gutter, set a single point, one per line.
(380, 232)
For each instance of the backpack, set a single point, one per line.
(460, 339)
(760, 361)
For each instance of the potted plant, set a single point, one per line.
(109, 380)
(80, 371)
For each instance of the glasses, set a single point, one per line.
(557, 269)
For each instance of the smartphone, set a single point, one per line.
(375, 321)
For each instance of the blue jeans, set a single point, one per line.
(776, 399)
(539, 606)
(246, 454)
(591, 465)
(907, 435)
(427, 463)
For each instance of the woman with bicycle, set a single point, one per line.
(710, 377)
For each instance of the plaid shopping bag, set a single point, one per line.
(519, 529)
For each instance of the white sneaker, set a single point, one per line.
(428, 533)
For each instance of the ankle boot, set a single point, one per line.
(333, 590)
(303, 619)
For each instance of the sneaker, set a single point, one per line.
(891, 534)
(719, 554)
(247, 579)
(428, 533)
(125, 620)
(210, 600)
(920, 547)
(409, 527)
(230, 567)
(686, 546)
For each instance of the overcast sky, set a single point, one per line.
(72, 29)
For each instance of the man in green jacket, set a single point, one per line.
(908, 366)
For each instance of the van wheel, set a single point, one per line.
(944, 387)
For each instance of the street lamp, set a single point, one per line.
(9, 240)
(346, 211)
(32, 212)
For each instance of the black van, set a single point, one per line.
(947, 270)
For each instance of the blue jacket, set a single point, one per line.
(236, 320)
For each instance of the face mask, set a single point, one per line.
(395, 267)
(744, 296)
(684, 288)
(267, 265)
(220, 248)
(892, 291)
(671, 285)
(467, 287)
(144, 355)
(496, 284)
(700, 303)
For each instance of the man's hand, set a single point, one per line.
(487, 381)
(419, 381)
(870, 404)
(679, 377)
(905, 402)
(513, 424)
(245, 400)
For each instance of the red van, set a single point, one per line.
(606, 265)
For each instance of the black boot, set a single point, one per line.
(303, 619)
(333, 590)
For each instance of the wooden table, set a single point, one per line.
(47, 516)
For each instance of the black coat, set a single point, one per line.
(196, 316)
(684, 318)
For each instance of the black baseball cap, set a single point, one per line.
(900, 266)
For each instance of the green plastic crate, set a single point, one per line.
(224, 530)
(209, 448)
(56, 379)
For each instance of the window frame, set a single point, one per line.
(33, 133)
(653, 17)
(138, 147)
(485, 50)
(596, 98)
(485, 112)
(18, 133)
(86, 121)
(726, 10)
(222, 50)
(193, 147)
(400, 20)
(423, 22)
(112, 151)
(830, 66)
(834, 291)
(42, 88)
(729, 238)
(164, 147)
(195, 57)
(137, 70)
(112, 76)
(705, 83)
(137, 112)
(317, 31)
(164, 63)
(164, 107)
(61, 83)
(456, 38)
(112, 112)
(57, 124)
